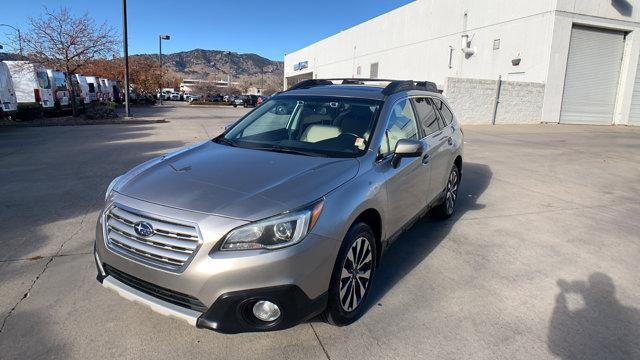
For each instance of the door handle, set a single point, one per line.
(425, 159)
(450, 141)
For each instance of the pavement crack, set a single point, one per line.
(39, 257)
(26, 295)
(320, 342)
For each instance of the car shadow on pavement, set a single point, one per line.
(58, 176)
(417, 243)
(588, 322)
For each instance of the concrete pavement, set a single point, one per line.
(540, 261)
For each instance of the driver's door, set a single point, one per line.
(406, 185)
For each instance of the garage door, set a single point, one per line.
(593, 72)
(634, 114)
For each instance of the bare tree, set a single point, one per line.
(206, 89)
(65, 42)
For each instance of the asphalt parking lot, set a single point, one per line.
(541, 260)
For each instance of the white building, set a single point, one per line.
(581, 56)
(187, 85)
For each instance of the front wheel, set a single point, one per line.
(446, 209)
(352, 276)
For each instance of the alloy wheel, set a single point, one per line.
(452, 190)
(356, 274)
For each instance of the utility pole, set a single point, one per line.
(125, 44)
(162, 37)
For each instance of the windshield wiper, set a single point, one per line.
(223, 140)
(282, 149)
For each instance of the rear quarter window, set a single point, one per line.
(447, 115)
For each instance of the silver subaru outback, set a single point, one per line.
(285, 215)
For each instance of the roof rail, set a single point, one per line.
(393, 87)
(406, 85)
(309, 83)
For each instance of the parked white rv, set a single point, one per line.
(59, 87)
(31, 83)
(8, 100)
(84, 88)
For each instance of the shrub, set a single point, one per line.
(28, 111)
(101, 111)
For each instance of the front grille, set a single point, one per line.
(161, 293)
(170, 246)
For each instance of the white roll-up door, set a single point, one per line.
(634, 114)
(593, 74)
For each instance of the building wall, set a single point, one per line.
(622, 15)
(473, 101)
(414, 42)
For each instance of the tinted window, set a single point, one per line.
(444, 110)
(427, 115)
(401, 125)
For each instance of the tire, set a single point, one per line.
(235, 105)
(343, 305)
(448, 205)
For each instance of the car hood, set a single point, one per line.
(235, 182)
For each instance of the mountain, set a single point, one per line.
(217, 64)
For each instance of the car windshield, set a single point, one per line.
(314, 126)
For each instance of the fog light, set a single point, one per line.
(266, 310)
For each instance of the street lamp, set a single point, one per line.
(162, 37)
(125, 45)
(19, 36)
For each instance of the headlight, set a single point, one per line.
(110, 187)
(274, 233)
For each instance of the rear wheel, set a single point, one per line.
(352, 276)
(447, 208)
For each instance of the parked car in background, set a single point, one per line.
(236, 101)
(60, 91)
(175, 96)
(249, 100)
(287, 214)
(8, 100)
(31, 84)
(215, 98)
(193, 98)
(261, 99)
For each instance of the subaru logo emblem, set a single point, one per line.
(143, 228)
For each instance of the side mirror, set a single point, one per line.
(406, 148)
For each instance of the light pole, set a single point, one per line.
(229, 73)
(19, 36)
(162, 37)
(125, 44)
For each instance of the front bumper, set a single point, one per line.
(218, 289)
(231, 312)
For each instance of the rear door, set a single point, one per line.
(435, 138)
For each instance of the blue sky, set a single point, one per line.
(267, 28)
